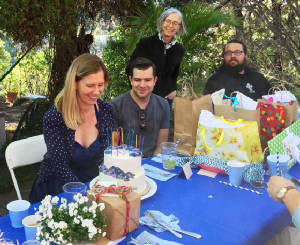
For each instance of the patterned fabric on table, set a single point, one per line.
(252, 172)
(203, 159)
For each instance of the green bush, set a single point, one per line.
(114, 57)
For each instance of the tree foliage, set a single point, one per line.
(270, 28)
(59, 25)
(200, 19)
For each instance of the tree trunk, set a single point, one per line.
(65, 52)
(61, 62)
(238, 13)
(276, 14)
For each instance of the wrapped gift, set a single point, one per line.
(228, 139)
(115, 213)
(272, 121)
(287, 142)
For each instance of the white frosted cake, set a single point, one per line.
(123, 165)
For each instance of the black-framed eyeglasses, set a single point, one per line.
(142, 116)
(235, 52)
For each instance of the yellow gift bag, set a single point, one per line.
(228, 139)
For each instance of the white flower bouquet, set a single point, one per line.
(78, 221)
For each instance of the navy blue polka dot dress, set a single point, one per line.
(66, 160)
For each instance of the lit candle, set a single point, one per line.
(122, 136)
(129, 137)
(140, 142)
(142, 147)
(107, 137)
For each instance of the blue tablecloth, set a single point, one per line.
(220, 213)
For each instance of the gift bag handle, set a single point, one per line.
(234, 101)
(186, 89)
(220, 141)
(279, 87)
(234, 123)
(203, 131)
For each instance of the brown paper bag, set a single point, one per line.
(228, 112)
(186, 116)
(115, 214)
(291, 113)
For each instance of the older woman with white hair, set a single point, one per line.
(164, 50)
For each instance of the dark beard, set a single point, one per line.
(234, 69)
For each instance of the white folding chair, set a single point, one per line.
(22, 153)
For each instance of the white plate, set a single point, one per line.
(152, 190)
(150, 182)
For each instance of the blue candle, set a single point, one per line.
(129, 137)
(107, 137)
(142, 147)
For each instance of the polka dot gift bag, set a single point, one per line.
(272, 119)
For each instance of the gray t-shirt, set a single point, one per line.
(127, 116)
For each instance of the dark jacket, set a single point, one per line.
(167, 62)
(252, 83)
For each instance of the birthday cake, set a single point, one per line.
(122, 165)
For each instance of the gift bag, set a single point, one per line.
(228, 139)
(272, 120)
(287, 142)
(228, 111)
(186, 115)
(285, 98)
(237, 107)
(291, 113)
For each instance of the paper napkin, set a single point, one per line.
(146, 236)
(157, 173)
(170, 221)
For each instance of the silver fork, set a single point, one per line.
(175, 233)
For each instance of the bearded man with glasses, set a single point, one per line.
(144, 113)
(235, 75)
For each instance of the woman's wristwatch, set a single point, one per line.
(283, 190)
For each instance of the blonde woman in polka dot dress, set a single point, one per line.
(75, 129)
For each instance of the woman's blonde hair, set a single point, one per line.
(66, 100)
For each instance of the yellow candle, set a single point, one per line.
(122, 135)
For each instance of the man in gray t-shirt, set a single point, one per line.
(147, 114)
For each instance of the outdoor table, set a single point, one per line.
(221, 214)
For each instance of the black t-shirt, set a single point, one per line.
(252, 83)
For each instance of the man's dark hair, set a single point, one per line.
(235, 41)
(141, 63)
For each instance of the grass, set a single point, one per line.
(22, 174)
